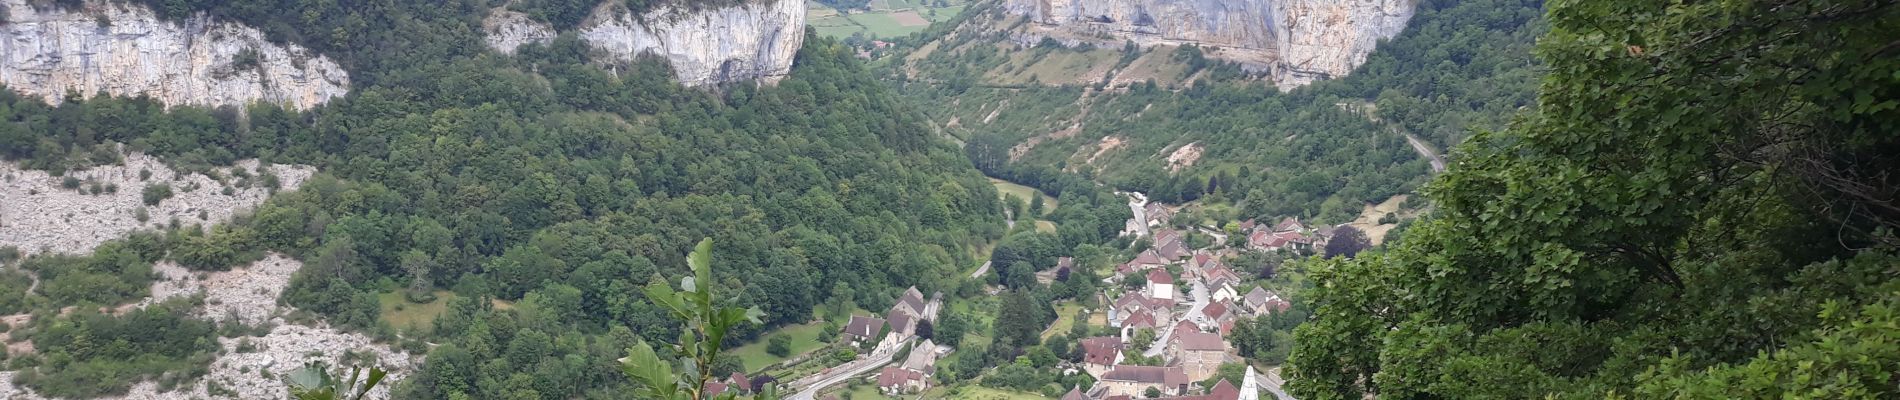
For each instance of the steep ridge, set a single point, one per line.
(125, 50)
(1295, 42)
(754, 40)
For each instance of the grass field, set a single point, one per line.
(412, 315)
(1065, 317)
(1006, 187)
(884, 19)
(974, 392)
(1045, 226)
(804, 339)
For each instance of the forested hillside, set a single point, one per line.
(1702, 207)
(546, 182)
(1178, 125)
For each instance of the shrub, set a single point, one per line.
(157, 193)
(779, 345)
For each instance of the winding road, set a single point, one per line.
(1424, 150)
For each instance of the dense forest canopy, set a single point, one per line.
(1700, 208)
(545, 181)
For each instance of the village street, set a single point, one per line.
(1199, 293)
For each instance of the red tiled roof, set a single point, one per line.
(893, 376)
(1165, 376)
(1200, 341)
(1101, 350)
(1215, 310)
(1160, 276)
(1140, 320)
(1288, 224)
(1149, 257)
(863, 326)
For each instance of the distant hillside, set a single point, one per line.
(1171, 120)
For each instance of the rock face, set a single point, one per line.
(755, 40)
(124, 49)
(1295, 41)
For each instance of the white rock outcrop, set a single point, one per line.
(1295, 41)
(38, 214)
(124, 49)
(756, 40)
(249, 366)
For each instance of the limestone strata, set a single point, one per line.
(756, 40)
(125, 50)
(38, 214)
(1295, 41)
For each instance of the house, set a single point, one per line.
(1099, 354)
(1160, 284)
(1135, 380)
(923, 358)
(1221, 391)
(911, 309)
(1248, 225)
(1137, 305)
(1221, 283)
(1147, 260)
(895, 381)
(1290, 224)
(1075, 393)
(1171, 245)
(1185, 327)
(1290, 240)
(864, 328)
(1214, 314)
(1198, 354)
(1172, 251)
(1139, 321)
(1261, 301)
(1157, 214)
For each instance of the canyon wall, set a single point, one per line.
(125, 50)
(751, 41)
(1294, 41)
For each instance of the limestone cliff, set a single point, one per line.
(755, 40)
(1295, 41)
(124, 49)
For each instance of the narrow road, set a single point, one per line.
(1438, 162)
(1199, 292)
(843, 373)
(1272, 382)
(980, 270)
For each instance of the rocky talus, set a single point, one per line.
(249, 365)
(38, 213)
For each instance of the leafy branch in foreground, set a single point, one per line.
(313, 382)
(699, 343)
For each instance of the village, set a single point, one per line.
(1160, 323)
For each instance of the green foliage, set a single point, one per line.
(779, 345)
(1635, 236)
(314, 382)
(116, 273)
(156, 193)
(1460, 65)
(699, 343)
(89, 354)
